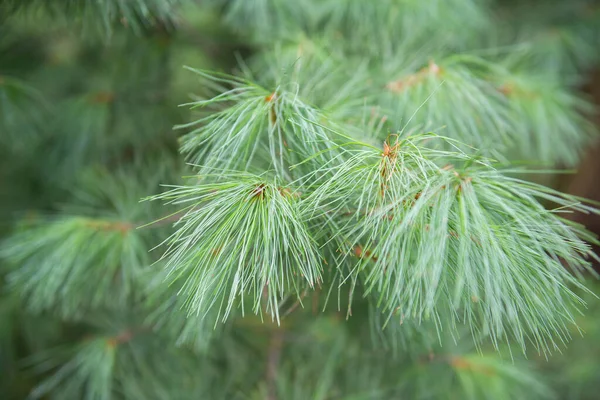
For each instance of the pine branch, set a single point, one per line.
(89, 372)
(88, 256)
(423, 243)
(470, 238)
(559, 38)
(453, 96)
(251, 123)
(168, 316)
(127, 362)
(318, 73)
(72, 263)
(240, 235)
(552, 122)
(265, 20)
(104, 15)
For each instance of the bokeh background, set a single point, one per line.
(90, 88)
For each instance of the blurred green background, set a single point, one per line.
(94, 86)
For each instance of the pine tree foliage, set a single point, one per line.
(238, 236)
(534, 102)
(578, 381)
(104, 14)
(126, 363)
(453, 82)
(88, 256)
(168, 315)
(559, 39)
(20, 106)
(460, 233)
(354, 221)
(257, 123)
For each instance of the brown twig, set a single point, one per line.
(126, 335)
(102, 98)
(165, 220)
(122, 337)
(119, 226)
(388, 157)
(296, 304)
(315, 301)
(272, 98)
(273, 358)
(400, 85)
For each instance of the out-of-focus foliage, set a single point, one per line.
(344, 229)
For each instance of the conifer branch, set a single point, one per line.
(459, 237)
(313, 174)
(213, 253)
(552, 123)
(248, 122)
(70, 264)
(453, 94)
(107, 14)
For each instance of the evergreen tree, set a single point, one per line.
(358, 200)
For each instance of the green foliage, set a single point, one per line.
(169, 316)
(88, 256)
(92, 364)
(559, 37)
(342, 182)
(541, 105)
(71, 263)
(317, 74)
(417, 21)
(428, 98)
(105, 14)
(123, 364)
(239, 235)
(21, 108)
(576, 380)
(467, 237)
(253, 124)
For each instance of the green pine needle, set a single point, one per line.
(75, 263)
(168, 316)
(552, 123)
(470, 237)
(453, 96)
(248, 122)
(240, 235)
(88, 374)
(105, 15)
(319, 74)
(89, 255)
